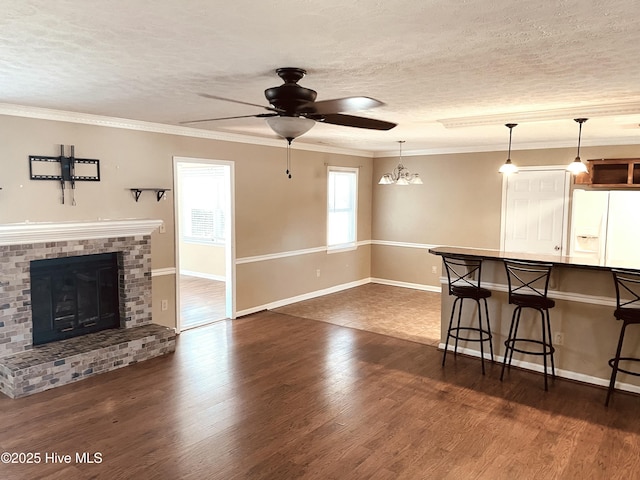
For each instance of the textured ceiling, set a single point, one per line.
(486, 61)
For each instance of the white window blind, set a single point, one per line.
(204, 203)
(342, 201)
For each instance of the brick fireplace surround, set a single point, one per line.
(26, 369)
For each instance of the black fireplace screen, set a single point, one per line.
(72, 296)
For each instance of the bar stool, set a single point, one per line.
(463, 274)
(628, 310)
(528, 285)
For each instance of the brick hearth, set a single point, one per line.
(27, 369)
(58, 363)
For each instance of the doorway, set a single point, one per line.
(535, 211)
(205, 260)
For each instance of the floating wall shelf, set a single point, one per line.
(159, 192)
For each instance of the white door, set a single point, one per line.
(534, 212)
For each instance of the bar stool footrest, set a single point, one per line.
(547, 348)
(628, 359)
(484, 336)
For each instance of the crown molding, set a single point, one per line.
(569, 143)
(588, 111)
(128, 124)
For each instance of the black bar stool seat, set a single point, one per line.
(463, 274)
(627, 284)
(475, 293)
(528, 287)
(631, 315)
(532, 301)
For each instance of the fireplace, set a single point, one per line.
(73, 296)
(115, 291)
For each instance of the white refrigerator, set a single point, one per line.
(605, 227)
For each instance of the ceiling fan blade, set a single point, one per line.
(214, 97)
(347, 104)
(358, 122)
(260, 115)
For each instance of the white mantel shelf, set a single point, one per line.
(26, 233)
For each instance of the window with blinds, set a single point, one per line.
(204, 203)
(342, 201)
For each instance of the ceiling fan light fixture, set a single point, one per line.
(508, 167)
(400, 174)
(290, 127)
(577, 166)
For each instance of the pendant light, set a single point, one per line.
(577, 166)
(509, 167)
(400, 174)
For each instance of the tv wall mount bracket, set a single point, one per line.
(67, 170)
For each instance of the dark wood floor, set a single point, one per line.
(274, 396)
(202, 301)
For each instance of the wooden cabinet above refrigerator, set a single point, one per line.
(611, 173)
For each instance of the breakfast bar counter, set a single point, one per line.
(556, 260)
(584, 329)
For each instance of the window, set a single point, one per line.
(205, 203)
(342, 201)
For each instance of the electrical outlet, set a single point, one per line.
(318, 273)
(434, 269)
(558, 338)
(164, 305)
(162, 228)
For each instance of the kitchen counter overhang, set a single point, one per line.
(557, 260)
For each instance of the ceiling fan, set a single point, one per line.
(293, 109)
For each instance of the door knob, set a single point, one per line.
(556, 248)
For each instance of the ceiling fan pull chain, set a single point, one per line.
(288, 172)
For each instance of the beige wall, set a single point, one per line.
(163, 287)
(458, 205)
(208, 260)
(261, 282)
(272, 213)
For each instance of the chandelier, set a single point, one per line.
(400, 174)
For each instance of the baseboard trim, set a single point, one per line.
(415, 286)
(569, 375)
(208, 276)
(305, 296)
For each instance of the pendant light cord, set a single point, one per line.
(510, 127)
(579, 137)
